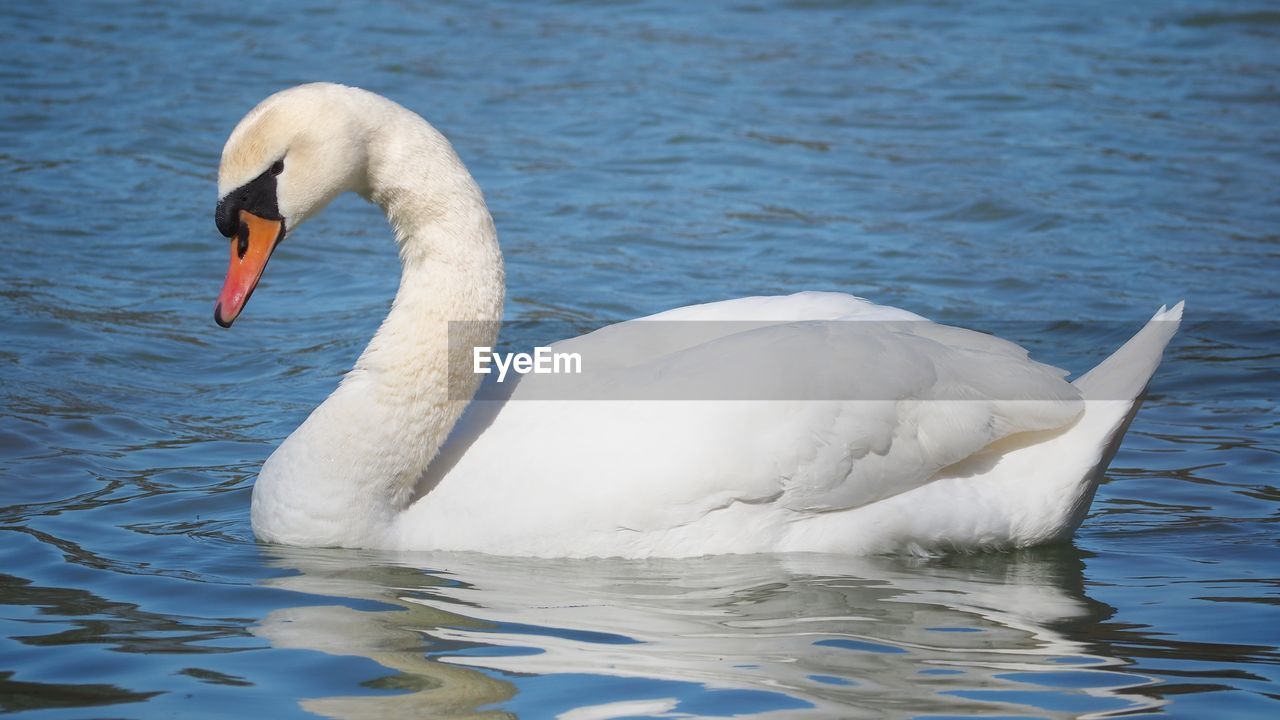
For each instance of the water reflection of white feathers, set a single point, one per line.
(806, 635)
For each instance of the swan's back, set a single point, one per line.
(726, 425)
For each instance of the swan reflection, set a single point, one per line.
(800, 635)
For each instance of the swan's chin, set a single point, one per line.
(251, 247)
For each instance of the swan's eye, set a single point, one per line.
(277, 167)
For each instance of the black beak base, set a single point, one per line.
(258, 196)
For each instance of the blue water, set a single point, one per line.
(1054, 174)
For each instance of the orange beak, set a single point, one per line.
(251, 248)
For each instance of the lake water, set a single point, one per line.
(1052, 174)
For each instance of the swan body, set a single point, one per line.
(812, 422)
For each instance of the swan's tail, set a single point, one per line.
(1125, 374)
(1113, 392)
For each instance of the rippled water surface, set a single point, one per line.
(1054, 174)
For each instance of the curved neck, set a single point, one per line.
(452, 274)
(342, 476)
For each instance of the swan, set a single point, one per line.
(867, 429)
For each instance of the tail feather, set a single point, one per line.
(1121, 379)
(1125, 374)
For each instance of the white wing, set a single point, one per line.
(846, 403)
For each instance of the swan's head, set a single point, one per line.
(285, 161)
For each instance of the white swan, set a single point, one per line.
(932, 438)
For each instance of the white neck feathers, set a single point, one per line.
(344, 474)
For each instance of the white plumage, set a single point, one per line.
(866, 429)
